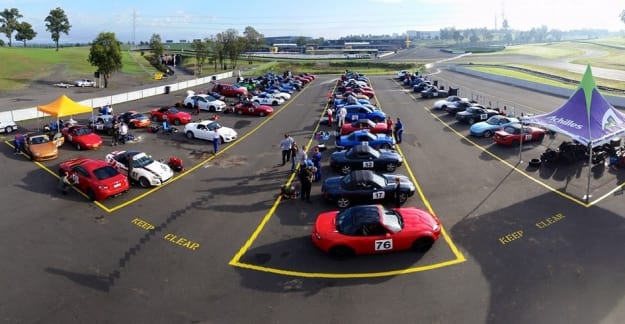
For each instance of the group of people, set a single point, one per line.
(119, 132)
(309, 170)
(397, 129)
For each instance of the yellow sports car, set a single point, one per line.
(40, 147)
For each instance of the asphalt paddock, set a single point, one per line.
(216, 245)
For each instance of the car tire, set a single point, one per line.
(212, 109)
(144, 182)
(221, 140)
(274, 103)
(422, 244)
(154, 118)
(390, 167)
(471, 121)
(261, 114)
(540, 137)
(176, 121)
(78, 147)
(8, 129)
(515, 143)
(343, 202)
(488, 134)
(189, 105)
(341, 251)
(346, 169)
(91, 194)
(239, 112)
(190, 135)
(386, 146)
(402, 197)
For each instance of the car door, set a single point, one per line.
(121, 163)
(366, 160)
(374, 239)
(81, 178)
(203, 132)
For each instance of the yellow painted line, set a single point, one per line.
(235, 261)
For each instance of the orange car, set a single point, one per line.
(135, 119)
(40, 147)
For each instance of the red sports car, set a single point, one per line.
(252, 108)
(82, 137)
(96, 178)
(372, 126)
(516, 133)
(173, 115)
(370, 229)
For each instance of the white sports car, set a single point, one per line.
(268, 99)
(449, 101)
(84, 83)
(204, 130)
(145, 170)
(205, 101)
(283, 95)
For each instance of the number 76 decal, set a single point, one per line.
(383, 245)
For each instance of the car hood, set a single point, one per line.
(415, 218)
(332, 184)
(226, 131)
(326, 222)
(44, 148)
(483, 126)
(163, 171)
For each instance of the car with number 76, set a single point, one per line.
(372, 229)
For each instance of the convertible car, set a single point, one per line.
(365, 186)
(96, 178)
(251, 108)
(172, 114)
(82, 137)
(475, 113)
(371, 229)
(204, 130)
(356, 112)
(491, 125)
(373, 127)
(358, 137)
(513, 135)
(39, 147)
(365, 157)
(145, 170)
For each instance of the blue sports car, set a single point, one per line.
(376, 141)
(356, 112)
(491, 125)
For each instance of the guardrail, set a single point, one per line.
(32, 113)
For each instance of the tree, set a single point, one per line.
(300, 41)
(25, 32)
(57, 23)
(8, 19)
(157, 46)
(106, 55)
(253, 39)
(201, 53)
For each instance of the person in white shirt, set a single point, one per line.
(216, 139)
(123, 131)
(285, 146)
(342, 115)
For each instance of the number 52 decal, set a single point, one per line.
(383, 245)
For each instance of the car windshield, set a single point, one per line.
(172, 111)
(349, 221)
(392, 220)
(472, 110)
(83, 131)
(142, 160)
(39, 139)
(493, 120)
(213, 125)
(105, 172)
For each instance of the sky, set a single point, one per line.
(138, 20)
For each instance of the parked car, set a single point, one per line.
(449, 101)
(102, 124)
(365, 157)
(96, 178)
(251, 108)
(365, 186)
(491, 125)
(474, 114)
(267, 99)
(204, 130)
(135, 119)
(372, 229)
(145, 170)
(82, 137)
(204, 101)
(363, 136)
(172, 114)
(40, 147)
(513, 135)
(367, 124)
(356, 112)
(229, 90)
(459, 106)
(434, 92)
(84, 83)
(7, 126)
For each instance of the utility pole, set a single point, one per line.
(134, 25)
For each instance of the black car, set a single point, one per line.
(475, 114)
(458, 106)
(434, 92)
(365, 186)
(365, 157)
(422, 86)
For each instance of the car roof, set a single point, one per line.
(361, 175)
(362, 149)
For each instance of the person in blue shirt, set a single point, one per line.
(399, 130)
(316, 159)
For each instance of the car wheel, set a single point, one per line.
(471, 121)
(176, 121)
(8, 129)
(261, 114)
(91, 194)
(346, 169)
(221, 140)
(78, 147)
(444, 107)
(132, 126)
(144, 182)
(189, 105)
(540, 137)
(343, 202)
(190, 135)
(275, 103)
(403, 197)
(341, 251)
(154, 118)
(212, 109)
(390, 167)
(386, 146)
(239, 112)
(488, 133)
(422, 244)
(515, 143)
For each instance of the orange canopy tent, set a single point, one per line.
(64, 106)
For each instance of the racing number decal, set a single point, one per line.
(483, 116)
(378, 195)
(355, 117)
(367, 164)
(383, 245)
(251, 110)
(528, 137)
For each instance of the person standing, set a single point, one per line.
(115, 135)
(342, 116)
(302, 156)
(216, 139)
(123, 132)
(293, 156)
(329, 117)
(285, 147)
(19, 143)
(389, 126)
(399, 130)
(316, 159)
(397, 192)
(305, 177)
